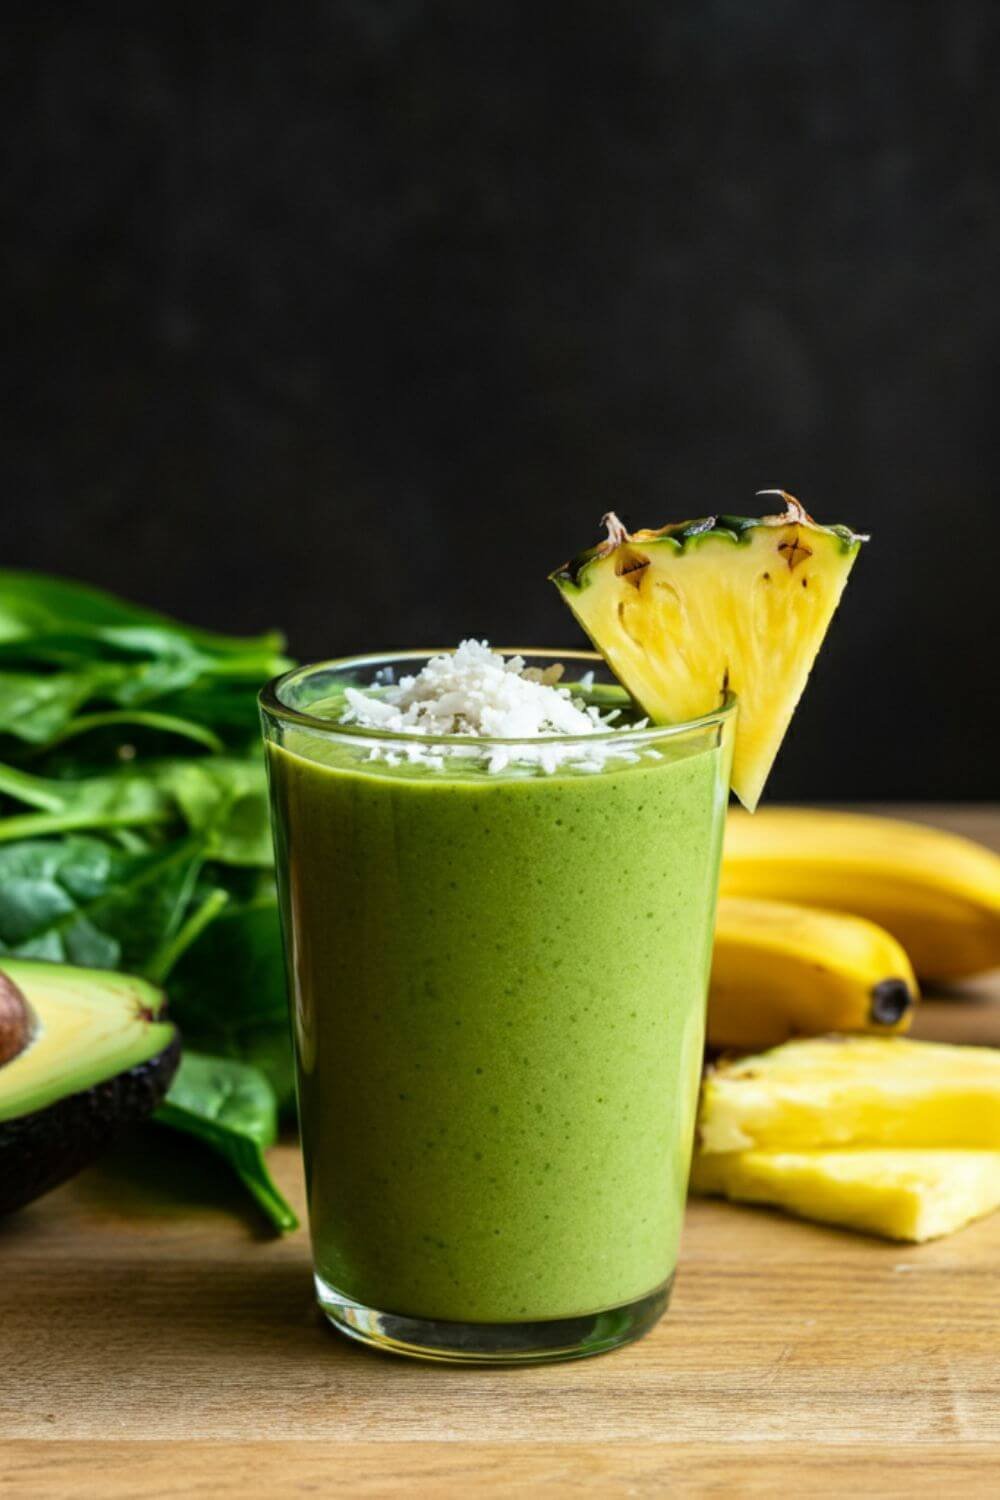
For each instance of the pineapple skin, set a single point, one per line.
(835, 1092)
(911, 1195)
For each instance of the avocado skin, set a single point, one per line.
(38, 1151)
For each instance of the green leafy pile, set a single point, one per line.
(134, 834)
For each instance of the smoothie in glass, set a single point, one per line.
(498, 981)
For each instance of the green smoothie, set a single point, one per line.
(498, 990)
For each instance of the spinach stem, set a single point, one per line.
(166, 956)
(30, 825)
(266, 1195)
(145, 718)
(37, 791)
(244, 1155)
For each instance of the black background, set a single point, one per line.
(354, 318)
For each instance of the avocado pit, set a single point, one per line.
(15, 1020)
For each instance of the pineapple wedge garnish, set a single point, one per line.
(692, 612)
(836, 1092)
(903, 1195)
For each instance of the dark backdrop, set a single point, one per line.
(354, 317)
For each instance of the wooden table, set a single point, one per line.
(154, 1343)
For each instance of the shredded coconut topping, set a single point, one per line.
(476, 692)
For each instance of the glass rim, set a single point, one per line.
(274, 709)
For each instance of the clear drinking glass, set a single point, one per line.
(497, 980)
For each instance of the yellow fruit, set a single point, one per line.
(903, 1195)
(826, 1093)
(780, 970)
(938, 894)
(692, 612)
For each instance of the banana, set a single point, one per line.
(780, 970)
(937, 893)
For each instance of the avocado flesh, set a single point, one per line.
(100, 1058)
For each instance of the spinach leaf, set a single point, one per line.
(64, 646)
(134, 833)
(226, 707)
(80, 900)
(131, 720)
(226, 799)
(35, 608)
(125, 798)
(36, 707)
(222, 797)
(231, 1107)
(176, 942)
(227, 991)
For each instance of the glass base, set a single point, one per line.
(493, 1343)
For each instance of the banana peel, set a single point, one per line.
(781, 970)
(937, 893)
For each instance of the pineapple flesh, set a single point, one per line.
(837, 1092)
(831, 1092)
(885, 1135)
(696, 611)
(903, 1195)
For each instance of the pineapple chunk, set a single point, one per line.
(903, 1195)
(852, 1091)
(695, 611)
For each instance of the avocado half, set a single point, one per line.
(84, 1053)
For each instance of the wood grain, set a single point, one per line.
(154, 1342)
(378, 1471)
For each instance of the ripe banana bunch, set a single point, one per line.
(938, 894)
(780, 970)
